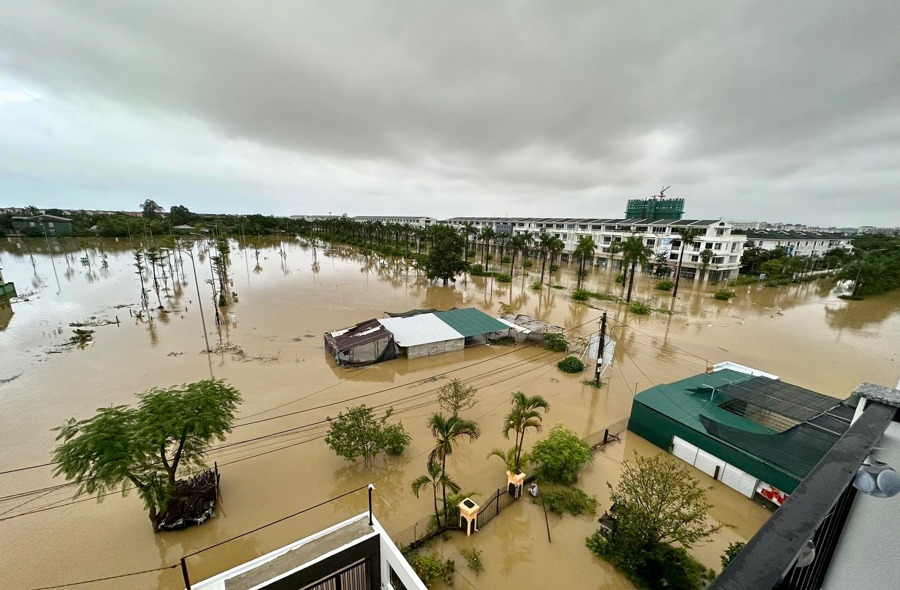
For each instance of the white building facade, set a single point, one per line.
(399, 219)
(799, 243)
(662, 237)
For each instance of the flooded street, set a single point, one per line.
(275, 462)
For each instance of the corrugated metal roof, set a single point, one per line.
(687, 399)
(420, 329)
(470, 321)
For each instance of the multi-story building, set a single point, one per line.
(662, 236)
(52, 225)
(886, 231)
(799, 243)
(413, 221)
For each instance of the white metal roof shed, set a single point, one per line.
(420, 329)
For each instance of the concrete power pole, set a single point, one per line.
(602, 348)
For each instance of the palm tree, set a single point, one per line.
(509, 457)
(434, 478)
(688, 236)
(487, 234)
(523, 415)
(585, 249)
(633, 252)
(468, 229)
(447, 433)
(517, 243)
(544, 241)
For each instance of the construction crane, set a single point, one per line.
(662, 193)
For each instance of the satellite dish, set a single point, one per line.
(878, 479)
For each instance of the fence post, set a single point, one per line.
(606, 436)
(498, 500)
(184, 574)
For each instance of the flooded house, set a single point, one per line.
(361, 344)
(746, 428)
(416, 334)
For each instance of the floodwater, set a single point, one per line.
(275, 462)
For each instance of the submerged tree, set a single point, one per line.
(359, 434)
(633, 252)
(445, 259)
(447, 433)
(435, 479)
(523, 415)
(139, 265)
(144, 447)
(456, 396)
(154, 258)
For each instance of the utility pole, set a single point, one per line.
(601, 349)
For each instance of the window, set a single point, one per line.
(673, 256)
(717, 246)
(659, 230)
(395, 580)
(676, 244)
(695, 258)
(718, 260)
(607, 239)
(595, 227)
(584, 227)
(720, 232)
(651, 242)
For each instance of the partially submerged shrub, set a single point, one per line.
(723, 294)
(640, 308)
(620, 278)
(556, 342)
(503, 278)
(473, 559)
(664, 285)
(580, 295)
(557, 286)
(430, 568)
(559, 457)
(570, 364)
(537, 286)
(476, 270)
(568, 500)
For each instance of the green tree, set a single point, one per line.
(358, 433)
(633, 252)
(559, 457)
(468, 230)
(524, 414)
(705, 257)
(150, 210)
(544, 240)
(510, 456)
(180, 215)
(584, 250)
(435, 479)
(688, 236)
(487, 236)
(659, 502)
(445, 259)
(733, 549)
(517, 243)
(447, 433)
(145, 446)
(456, 396)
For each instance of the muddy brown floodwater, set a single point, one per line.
(275, 462)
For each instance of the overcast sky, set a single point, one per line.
(750, 110)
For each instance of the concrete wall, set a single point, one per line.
(432, 348)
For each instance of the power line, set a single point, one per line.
(70, 584)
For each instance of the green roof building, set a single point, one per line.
(746, 428)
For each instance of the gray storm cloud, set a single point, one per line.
(750, 109)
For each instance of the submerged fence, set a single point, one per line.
(426, 529)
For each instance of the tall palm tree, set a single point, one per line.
(688, 236)
(633, 252)
(468, 230)
(544, 241)
(487, 235)
(517, 243)
(447, 433)
(585, 249)
(523, 415)
(434, 478)
(509, 457)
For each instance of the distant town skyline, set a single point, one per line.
(750, 111)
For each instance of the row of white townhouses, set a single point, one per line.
(662, 236)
